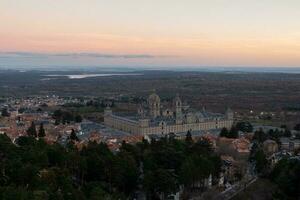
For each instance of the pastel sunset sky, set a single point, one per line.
(150, 33)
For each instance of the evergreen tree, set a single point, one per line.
(297, 127)
(73, 136)
(283, 126)
(160, 182)
(224, 132)
(244, 126)
(203, 146)
(233, 132)
(78, 119)
(261, 162)
(41, 131)
(5, 113)
(188, 138)
(287, 133)
(31, 131)
(286, 176)
(57, 114)
(260, 136)
(52, 171)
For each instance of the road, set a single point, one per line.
(234, 190)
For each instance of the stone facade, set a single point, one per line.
(270, 147)
(154, 119)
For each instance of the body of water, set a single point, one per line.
(81, 76)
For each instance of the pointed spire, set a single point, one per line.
(107, 110)
(229, 113)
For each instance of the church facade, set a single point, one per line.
(153, 118)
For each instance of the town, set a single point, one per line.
(149, 100)
(247, 149)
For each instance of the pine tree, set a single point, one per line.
(224, 132)
(31, 131)
(5, 113)
(78, 118)
(41, 131)
(233, 133)
(188, 138)
(297, 127)
(73, 136)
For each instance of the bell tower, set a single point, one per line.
(154, 105)
(229, 114)
(178, 109)
(178, 105)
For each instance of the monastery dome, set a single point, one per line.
(153, 98)
(177, 98)
(200, 115)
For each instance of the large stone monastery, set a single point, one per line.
(177, 118)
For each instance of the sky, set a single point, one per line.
(158, 33)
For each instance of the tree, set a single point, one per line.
(272, 134)
(112, 104)
(25, 141)
(78, 119)
(261, 162)
(5, 113)
(233, 133)
(224, 132)
(57, 114)
(260, 136)
(97, 193)
(254, 148)
(53, 171)
(31, 131)
(11, 192)
(197, 168)
(283, 126)
(187, 173)
(188, 138)
(126, 172)
(41, 131)
(73, 136)
(287, 177)
(244, 127)
(160, 182)
(287, 133)
(297, 127)
(297, 135)
(203, 147)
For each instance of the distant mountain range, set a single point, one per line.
(292, 70)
